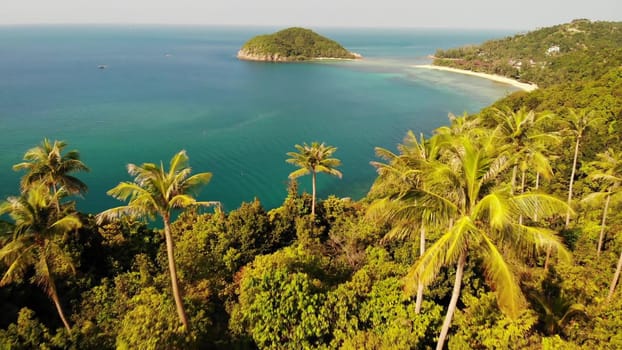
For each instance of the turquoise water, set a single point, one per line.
(171, 88)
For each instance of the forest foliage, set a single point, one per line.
(461, 243)
(566, 53)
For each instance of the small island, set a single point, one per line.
(293, 44)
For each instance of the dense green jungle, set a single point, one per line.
(498, 231)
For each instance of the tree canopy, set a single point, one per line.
(293, 44)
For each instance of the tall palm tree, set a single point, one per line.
(577, 123)
(156, 191)
(522, 130)
(35, 241)
(47, 164)
(537, 159)
(401, 202)
(313, 159)
(467, 183)
(608, 169)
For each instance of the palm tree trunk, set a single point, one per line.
(616, 275)
(548, 258)
(173, 271)
(419, 299)
(522, 190)
(313, 200)
(514, 172)
(453, 302)
(602, 225)
(574, 168)
(51, 287)
(56, 301)
(535, 215)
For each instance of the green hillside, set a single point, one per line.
(293, 44)
(568, 52)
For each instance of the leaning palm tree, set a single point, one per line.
(156, 191)
(614, 281)
(577, 123)
(47, 164)
(313, 159)
(34, 242)
(467, 184)
(607, 169)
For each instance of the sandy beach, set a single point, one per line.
(497, 78)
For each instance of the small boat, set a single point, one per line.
(102, 66)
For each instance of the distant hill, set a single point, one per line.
(293, 44)
(568, 52)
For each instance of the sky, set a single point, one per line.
(501, 14)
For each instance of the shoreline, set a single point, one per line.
(498, 78)
(277, 58)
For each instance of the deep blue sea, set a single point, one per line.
(171, 88)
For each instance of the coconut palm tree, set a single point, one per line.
(461, 126)
(577, 123)
(608, 169)
(34, 243)
(537, 159)
(401, 201)
(313, 159)
(156, 191)
(47, 164)
(466, 182)
(522, 130)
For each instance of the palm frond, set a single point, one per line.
(67, 223)
(502, 278)
(428, 265)
(329, 170)
(133, 211)
(385, 154)
(543, 238)
(128, 190)
(178, 162)
(401, 231)
(216, 204)
(18, 257)
(459, 235)
(182, 201)
(195, 181)
(298, 173)
(544, 204)
(595, 198)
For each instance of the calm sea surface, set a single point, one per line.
(172, 88)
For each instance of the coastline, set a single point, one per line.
(498, 78)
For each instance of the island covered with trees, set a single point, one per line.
(500, 230)
(563, 53)
(293, 44)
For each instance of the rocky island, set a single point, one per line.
(293, 44)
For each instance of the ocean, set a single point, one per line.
(167, 88)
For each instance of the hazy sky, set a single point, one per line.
(517, 14)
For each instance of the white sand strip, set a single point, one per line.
(493, 77)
